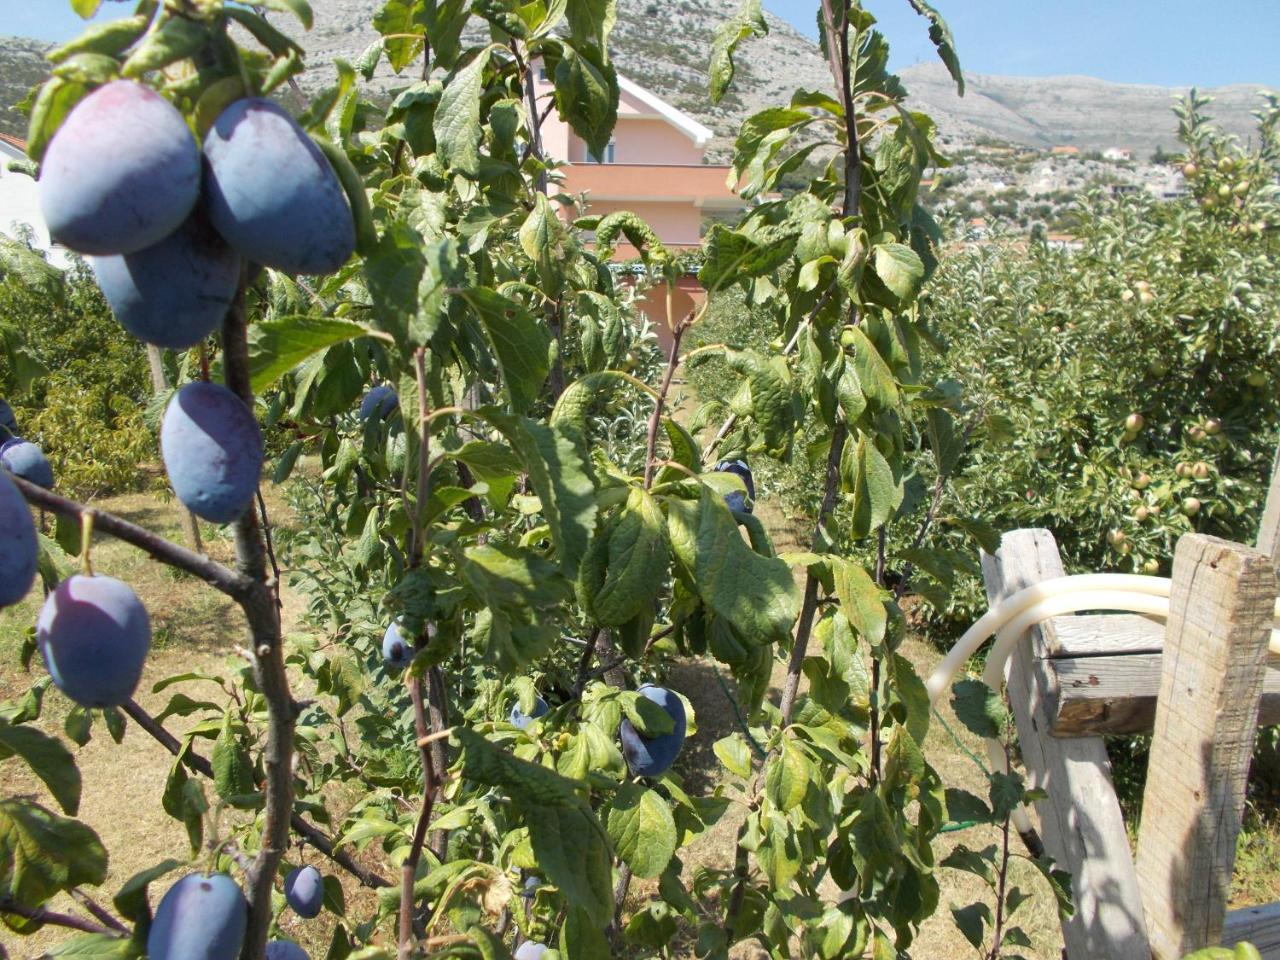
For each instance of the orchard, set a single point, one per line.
(509, 537)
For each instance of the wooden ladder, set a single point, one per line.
(1200, 685)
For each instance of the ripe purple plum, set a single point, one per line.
(304, 890)
(212, 449)
(26, 460)
(121, 173)
(522, 720)
(285, 950)
(272, 194)
(653, 756)
(175, 292)
(382, 401)
(397, 652)
(737, 500)
(8, 421)
(94, 634)
(202, 917)
(19, 550)
(530, 950)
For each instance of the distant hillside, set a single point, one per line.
(22, 66)
(665, 45)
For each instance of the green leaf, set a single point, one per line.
(1006, 793)
(277, 346)
(772, 397)
(543, 239)
(965, 807)
(299, 8)
(105, 38)
(580, 939)
(86, 8)
(861, 601)
(41, 854)
(878, 384)
(734, 754)
(176, 39)
(353, 187)
(232, 766)
(940, 34)
(869, 480)
(98, 946)
(972, 921)
(131, 901)
(78, 724)
(457, 119)
(747, 22)
(397, 17)
(642, 829)
(57, 98)
(979, 708)
(904, 760)
(586, 94)
(788, 777)
(48, 759)
(561, 477)
(756, 594)
(571, 847)
(519, 340)
(591, 21)
(901, 271)
(635, 563)
(731, 256)
(645, 715)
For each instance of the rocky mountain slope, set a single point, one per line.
(665, 45)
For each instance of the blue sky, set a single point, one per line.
(1169, 42)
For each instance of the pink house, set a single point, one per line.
(652, 167)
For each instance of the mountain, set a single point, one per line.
(665, 45)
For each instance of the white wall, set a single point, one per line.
(19, 205)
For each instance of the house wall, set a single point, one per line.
(677, 223)
(20, 204)
(643, 140)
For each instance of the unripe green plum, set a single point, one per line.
(1151, 567)
(19, 549)
(1213, 426)
(1200, 470)
(272, 194)
(174, 293)
(212, 449)
(1141, 481)
(1191, 506)
(201, 917)
(847, 337)
(1134, 422)
(121, 173)
(1189, 170)
(1256, 379)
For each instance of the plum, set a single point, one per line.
(8, 421)
(737, 500)
(121, 173)
(272, 194)
(94, 634)
(522, 720)
(19, 550)
(530, 950)
(212, 449)
(202, 917)
(304, 889)
(653, 756)
(175, 292)
(397, 653)
(26, 460)
(381, 401)
(285, 950)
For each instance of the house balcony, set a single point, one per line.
(704, 186)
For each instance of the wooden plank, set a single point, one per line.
(1080, 820)
(1098, 634)
(1269, 528)
(1257, 925)
(1206, 719)
(1098, 696)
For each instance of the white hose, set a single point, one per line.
(1010, 620)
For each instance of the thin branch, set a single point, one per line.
(271, 547)
(655, 421)
(157, 547)
(409, 870)
(101, 913)
(584, 664)
(9, 905)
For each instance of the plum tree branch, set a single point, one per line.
(655, 420)
(259, 605)
(10, 905)
(228, 581)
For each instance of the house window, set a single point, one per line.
(542, 73)
(609, 152)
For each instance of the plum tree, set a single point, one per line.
(201, 917)
(397, 653)
(530, 950)
(176, 292)
(212, 449)
(8, 421)
(94, 634)
(653, 756)
(19, 550)
(24, 459)
(737, 500)
(122, 172)
(381, 401)
(304, 891)
(272, 194)
(285, 950)
(522, 720)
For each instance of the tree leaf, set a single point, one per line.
(747, 22)
(734, 754)
(642, 829)
(48, 759)
(457, 119)
(98, 946)
(277, 346)
(979, 708)
(972, 922)
(176, 39)
(877, 380)
(131, 901)
(41, 854)
(788, 776)
(519, 340)
(591, 21)
(580, 939)
(900, 270)
(587, 94)
(232, 766)
(940, 34)
(299, 8)
(861, 601)
(397, 17)
(635, 562)
(869, 480)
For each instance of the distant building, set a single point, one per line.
(1118, 154)
(1065, 151)
(20, 216)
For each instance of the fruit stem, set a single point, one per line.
(86, 541)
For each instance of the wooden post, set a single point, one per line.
(159, 384)
(1080, 819)
(1269, 529)
(1206, 718)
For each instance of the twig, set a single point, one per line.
(409, 871)
(10, 905)
(271, 548)
(584, 663)
(438, 708)
(99, 912)
(655, 421)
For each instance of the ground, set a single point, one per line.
(122, 784)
